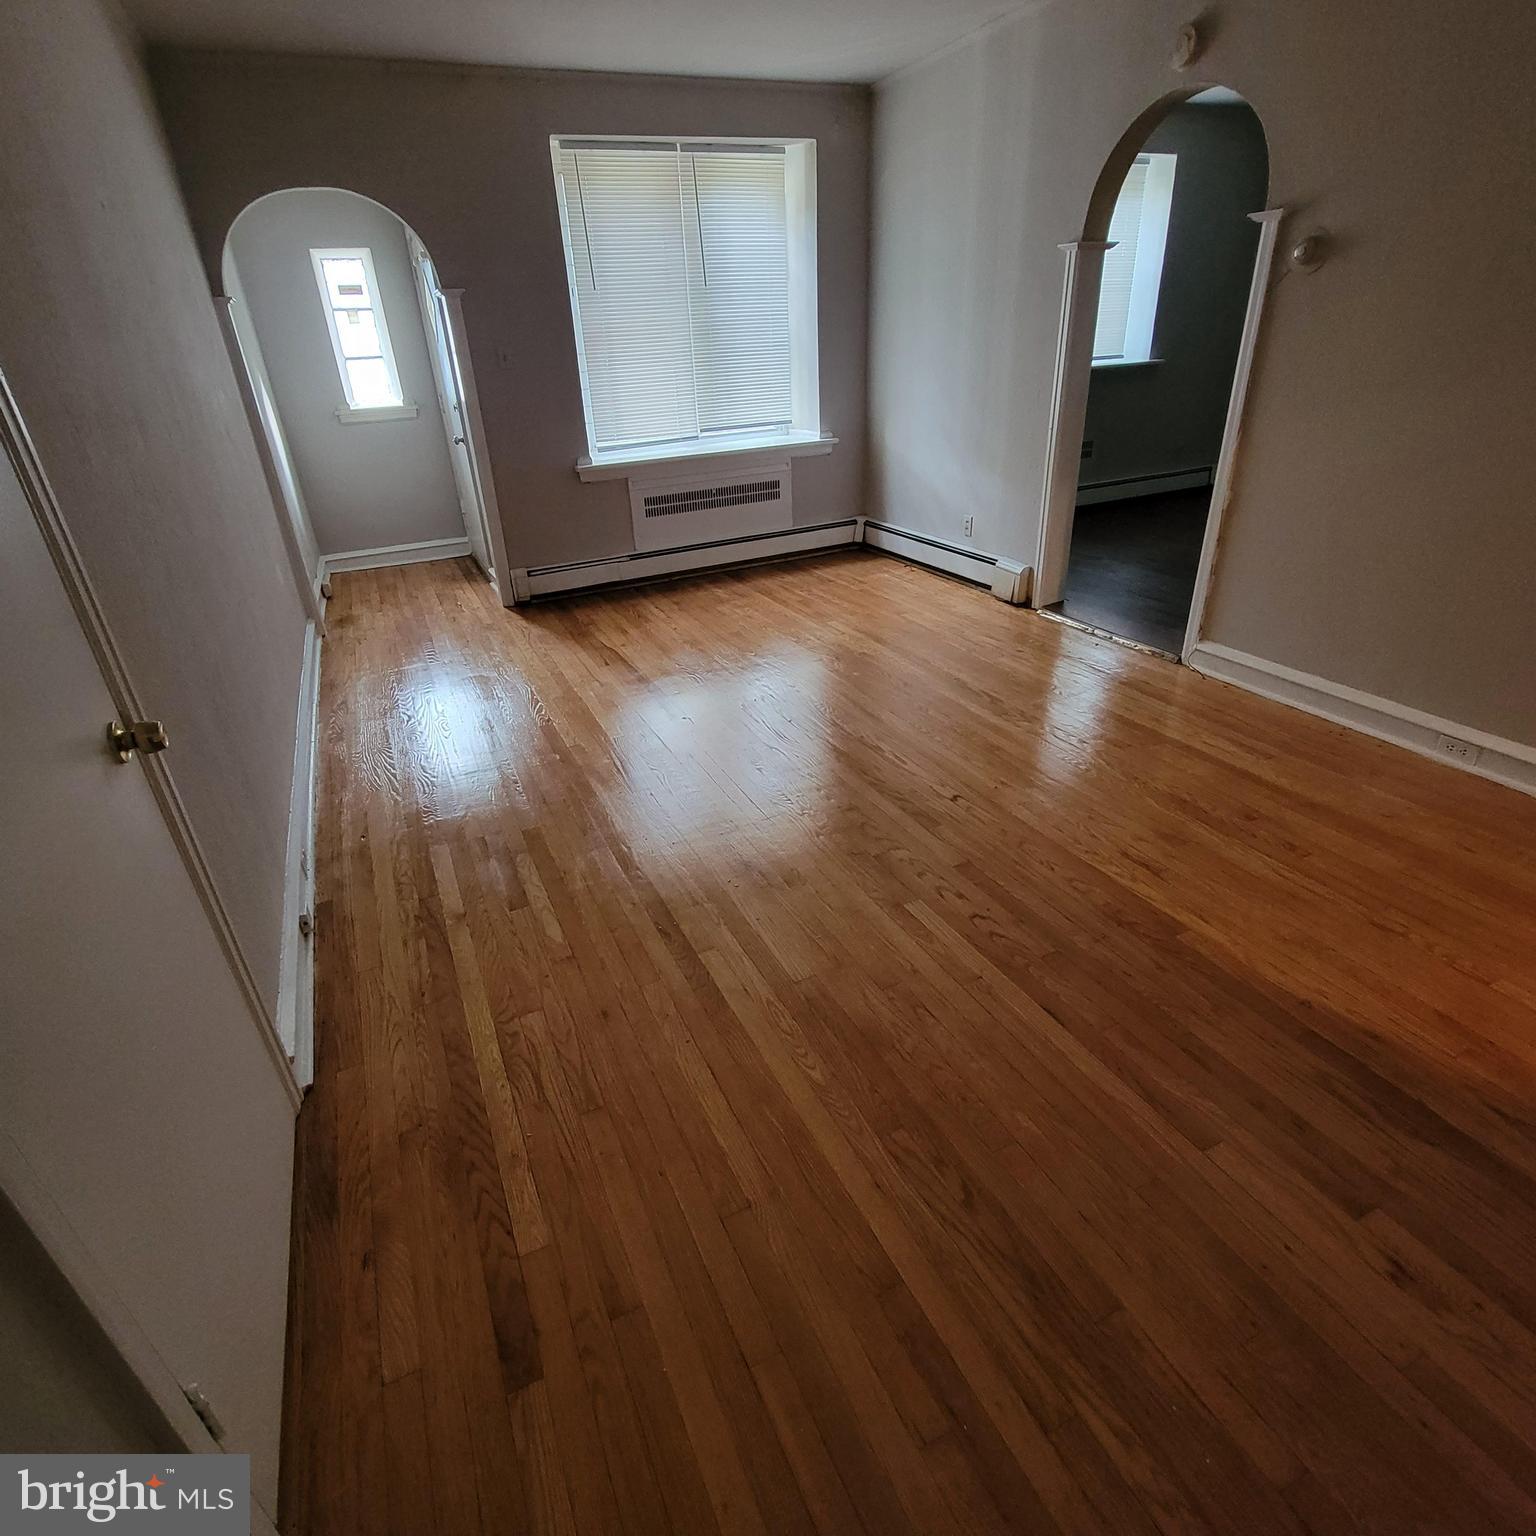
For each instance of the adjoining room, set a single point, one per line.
(1174, 287)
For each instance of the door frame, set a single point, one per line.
(1069, 410)
(479, 454)
(1221, 480)
(438, 325)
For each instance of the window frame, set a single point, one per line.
(318, 255)
(804, 426)
(1147, 270)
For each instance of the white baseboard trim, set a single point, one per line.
(1146, 485)
(582, 575)
(924, 549)
(1511, 763)
(295, 1017)
(393, 554)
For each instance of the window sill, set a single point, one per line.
(620, 463)
(350, 415)
(1127, 362)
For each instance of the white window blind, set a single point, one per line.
(679, 265)
(1133, 269)
(1120, 264)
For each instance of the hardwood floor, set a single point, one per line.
(1132, 566)
(817, 1049)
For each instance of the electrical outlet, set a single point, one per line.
(1462, 751)
(970, 526)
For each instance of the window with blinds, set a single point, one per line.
(1133, 267)
(679, 256)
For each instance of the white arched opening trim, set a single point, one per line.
(1069, 406)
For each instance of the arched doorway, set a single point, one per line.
(352, 359)
(1160, 308)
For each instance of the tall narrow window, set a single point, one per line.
(359, 333)
(692, 275)
(1133, 269)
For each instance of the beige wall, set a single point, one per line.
(1380, 534)
(283, 476)
(110, 340)
(366, 484)
(462, 155)
(66, 1388)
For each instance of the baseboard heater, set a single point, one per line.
(1005, 579)
(711, 554)
(1133, 486)
(924, 549)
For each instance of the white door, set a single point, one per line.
(450, 399)
(139, 1105)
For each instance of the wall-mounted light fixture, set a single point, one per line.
(1187, 46)
(1310, 252)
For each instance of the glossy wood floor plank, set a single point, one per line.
(815, 1049)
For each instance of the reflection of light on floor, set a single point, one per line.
(1074, 712)
(459, 735)
(700, 751)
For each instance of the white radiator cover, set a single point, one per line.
(672, 510)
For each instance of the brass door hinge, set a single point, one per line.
(146, 736)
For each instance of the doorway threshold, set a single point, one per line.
(1056, 616)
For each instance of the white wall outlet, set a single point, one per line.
(1462, 751)
(970, 526)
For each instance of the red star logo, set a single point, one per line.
(153, 1482)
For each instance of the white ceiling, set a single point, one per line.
(769, 39)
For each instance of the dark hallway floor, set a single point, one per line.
(1132, 570)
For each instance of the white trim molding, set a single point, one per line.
(394, 554)
(1069, 410)
(1143, 485)
(583, 575)
(1226, 460)
(355, 415)
(296, 965)
(479, 452)
(1507, 762)
(706, 453)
